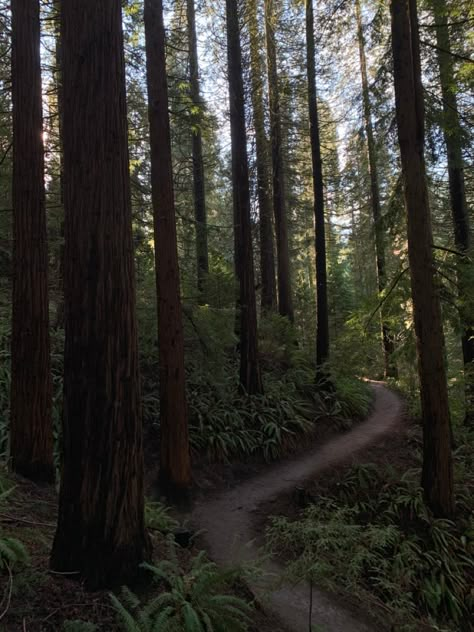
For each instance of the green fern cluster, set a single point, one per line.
(12, 551)
(375, 536)
(234, 426)
(192, 602)
(157, 517)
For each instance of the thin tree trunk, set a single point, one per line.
(175, 464)
(267, 257)
(198, 162)
(437, 474)
(285, 300)
(460, 212)
(250, 377)
(387, 339)
(322, 327)
(58, 85)
(31, 386)
(101, 533)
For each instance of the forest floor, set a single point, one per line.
(231, 522)
(37, 600)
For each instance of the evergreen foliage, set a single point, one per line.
(193, 601)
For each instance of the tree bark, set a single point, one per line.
(322, 320)
(175, 464)
(459, 208)
(250, 377)
(285, 300)
(437, 474)
(31, 446)
(200, 212)
(267, 256)
(101, 533)
(58, 85)
(387, 338)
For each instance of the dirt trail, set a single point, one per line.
(227, 522)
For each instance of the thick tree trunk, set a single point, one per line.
(31, 385)
(198, 162)
(250, 378)
(437, 475)
(101, 533)
(285, 300)
(322, 326)
(460, 212)
(267, 256)
(175, 465)
(387, 339)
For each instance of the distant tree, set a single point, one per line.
(322, 321)
(31, 446)
(437, 474)
(267, 255)
(101, 533)
(452, 133)
(387, 339)
(285, 299)
(250, 377)
(197, 155)
(175, 466)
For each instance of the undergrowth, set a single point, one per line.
(225, 425)
(196, 600)
(373, 536)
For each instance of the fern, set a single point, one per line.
(12, 552)
(157, 517)
(193, 602)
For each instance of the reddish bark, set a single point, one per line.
(31, 387)
(100, 534)
(175, 464)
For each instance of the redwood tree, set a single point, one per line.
(101, 533)
(322, 326)
(250, 377)
(175, 468)
(285, 299)
(452, 132)
(437, 474)
(31, 387)
(267, 256)
(387, 339)
(199, 190)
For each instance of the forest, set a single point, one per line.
(236, 316)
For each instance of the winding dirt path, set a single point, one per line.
(227, 522)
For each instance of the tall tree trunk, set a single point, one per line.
(101, 533)
(453, 140)
(437, 475)
(31, 385)
(58, 85)
(250, 377)
(267, 257)
(285, 301)
(387, 340)
(175, 465)
(198, 162)
(322, 327)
